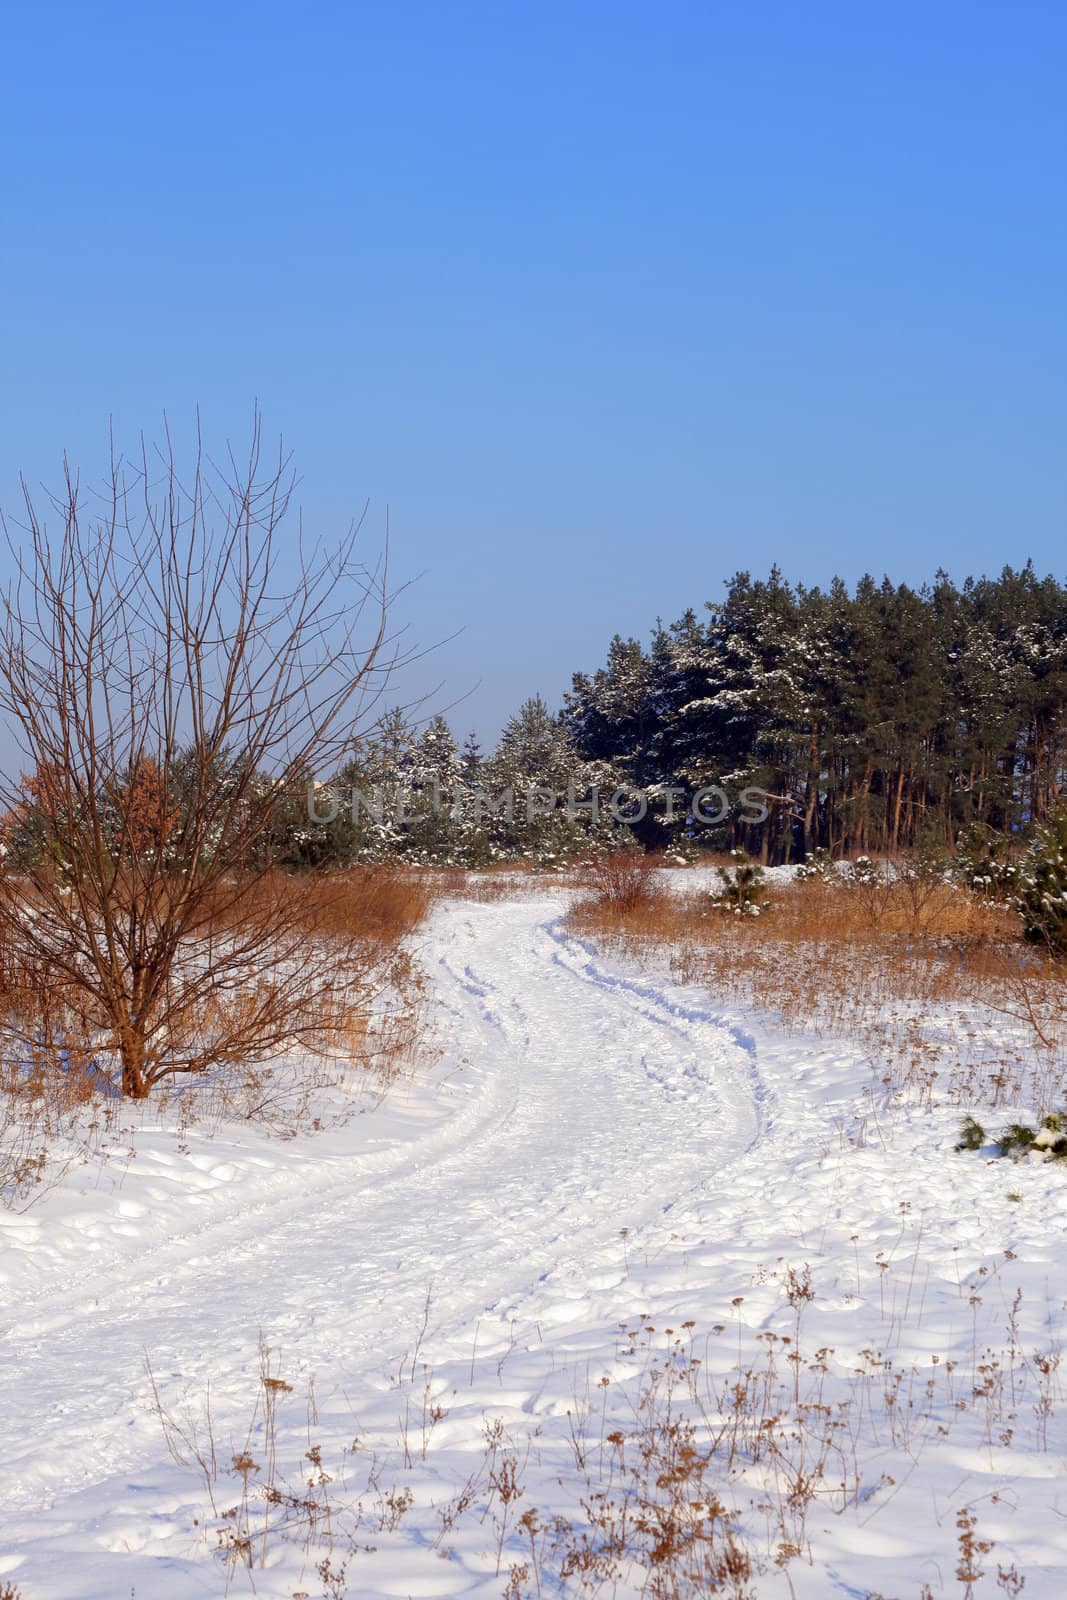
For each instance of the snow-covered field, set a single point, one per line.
(450, 1271)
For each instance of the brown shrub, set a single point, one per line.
(623, 880)
(362, 1005)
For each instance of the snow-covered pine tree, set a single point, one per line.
(537, 753)
(371, 791)
(734, 723)
(436, 826)
(742, 892)
(1042, 880)
(470, 760)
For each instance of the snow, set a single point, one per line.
(593, 1145)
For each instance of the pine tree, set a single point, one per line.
(1042, 894)
(742, 892)
(537, 759)
(371, 793)
(434, 827)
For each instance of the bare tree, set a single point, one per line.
(174, 659)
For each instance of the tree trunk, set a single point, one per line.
(132, 1056)
(898, 802)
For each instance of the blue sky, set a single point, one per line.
(601, 301)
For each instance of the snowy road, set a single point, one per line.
(592, 1144)
(511, 1206)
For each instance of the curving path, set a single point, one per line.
(574, 1105)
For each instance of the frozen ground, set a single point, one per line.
(592, 1146)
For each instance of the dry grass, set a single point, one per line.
(374, 906)
(487, 885)
(511, 879)
(933, 982)
(48, 1097)
(712, 1458)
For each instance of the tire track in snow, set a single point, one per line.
(579, 957)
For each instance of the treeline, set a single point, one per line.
(407, 792)
(873, 720)
(876, 719)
